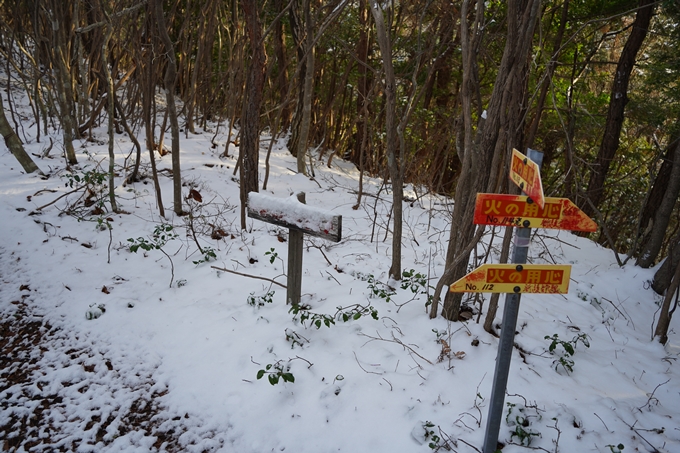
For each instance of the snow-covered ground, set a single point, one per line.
(129, 362)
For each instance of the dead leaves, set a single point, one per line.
(447, 354)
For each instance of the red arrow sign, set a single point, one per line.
(516, 210)
(527, 175)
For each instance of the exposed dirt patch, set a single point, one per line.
(38, 414)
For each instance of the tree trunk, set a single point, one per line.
(493, 139)
(249, 150)
(169, 81)
(14, 143)
(664, 274)
(111, 107)
(661, 331)
(617, 104)
(308, 91)
(393, 162)
(651, 248)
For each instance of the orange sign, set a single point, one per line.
(525, 173)
(518, 211)
(515, 278)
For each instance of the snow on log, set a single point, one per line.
(291, 213)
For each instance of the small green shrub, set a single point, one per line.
(276, 372)
(308, 318)
(568, 349)
(259, 301)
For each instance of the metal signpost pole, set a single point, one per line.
(507, 337)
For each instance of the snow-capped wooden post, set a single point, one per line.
(300, 219)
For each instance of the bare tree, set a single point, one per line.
(617, 104)
(14, 144)
(250, 119)
(169, 81)
(393, 161)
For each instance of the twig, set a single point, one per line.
(470, 445)
(388, 383)
(59, 198)
(651, 396)
(301, 358)
(331, 276)
(365, 370)
(250, 276)
(656, 450)
(605, 425)
(399, 342)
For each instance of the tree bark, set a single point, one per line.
(663, 276)
(652, 246)
(169, 81)
(249, 150)
(393, 162)
(308, 91)
(617, 104)
(14, 143)
(661, 331)
(111, 106)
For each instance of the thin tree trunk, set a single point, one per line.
(617, 104)
(111, 107)
(661, 331)
(308, 91)
(393, 162)
(170, 81)
(652, 247)
(249, 151)
(14, 144)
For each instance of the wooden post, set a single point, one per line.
(295, 243)
(300, 220)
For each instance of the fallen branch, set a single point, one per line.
(399, 342)
(249, 276)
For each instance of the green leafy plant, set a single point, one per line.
(566, 351)
(308, 318)
(518, 418)
(415, 281)
(616, 448)
(431, 435)
(208, 254)
(259, 301)
(87, 178)
(276, 372)
(295, 339)
(273, 256)
(162, 234)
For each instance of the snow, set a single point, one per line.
(187, 356)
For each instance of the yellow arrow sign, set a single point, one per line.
(515, 278)
(527, 175)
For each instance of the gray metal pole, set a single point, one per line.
(507, 338)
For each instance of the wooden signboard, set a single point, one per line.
(520, 211)
(292, 214)
(300, 219)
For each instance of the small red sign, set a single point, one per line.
(527, 175)
(516, 210)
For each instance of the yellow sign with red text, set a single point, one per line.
(527, 175)
(515, 278)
